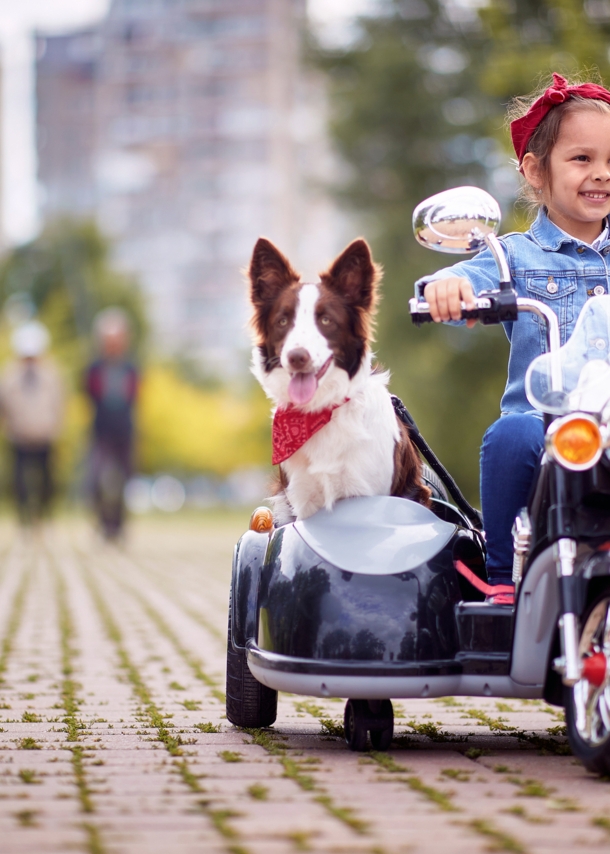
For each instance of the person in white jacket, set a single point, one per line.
(32, 402)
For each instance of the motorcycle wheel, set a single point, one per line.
(588, 701)
(249, 703)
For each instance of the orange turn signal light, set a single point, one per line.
(261, 520)
(575, 442)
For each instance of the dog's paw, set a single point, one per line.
(283, 513)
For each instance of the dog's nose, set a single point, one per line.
(299, 359)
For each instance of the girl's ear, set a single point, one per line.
(530, 168)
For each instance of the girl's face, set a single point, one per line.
(578, 198)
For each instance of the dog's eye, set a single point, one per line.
(282, 321)
(324, 320)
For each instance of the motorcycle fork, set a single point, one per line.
(569, 666)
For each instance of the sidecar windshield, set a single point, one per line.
(585, 366)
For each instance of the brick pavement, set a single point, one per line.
(113, 735)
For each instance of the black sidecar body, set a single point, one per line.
(364, 602)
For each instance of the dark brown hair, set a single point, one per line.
(545, 136)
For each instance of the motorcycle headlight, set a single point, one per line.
(575, 442)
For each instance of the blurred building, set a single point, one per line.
(187, 128)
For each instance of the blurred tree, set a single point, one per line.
(188, 429)
(67, 276)
(417, 105)
(529, 39)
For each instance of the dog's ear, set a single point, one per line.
(354, 275)
(269, 272)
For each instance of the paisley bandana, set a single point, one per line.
(292, 428)
(521, 130)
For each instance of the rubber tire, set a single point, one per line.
(354, 720)
(249, 703)
(381, 737)
(595, 759)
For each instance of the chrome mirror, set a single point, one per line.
(457, 220)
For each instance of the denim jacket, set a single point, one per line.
(546, 264)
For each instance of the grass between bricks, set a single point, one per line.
(294, 770)
(172, 743)
(14, 621)
(185, 654)
(192, 613)
(500, 841)
(73, 723)
(441, 799)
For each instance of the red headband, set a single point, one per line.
(521, 130)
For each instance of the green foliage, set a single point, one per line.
(66, 272)
(417, 105)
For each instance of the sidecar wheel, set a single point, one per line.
(588, 701)
(382, 734)
(249, 703)
(355, 722)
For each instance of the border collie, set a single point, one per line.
(335, 432)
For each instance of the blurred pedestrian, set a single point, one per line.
(32, 402)
(112, 384)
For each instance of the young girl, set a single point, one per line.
(562, 142)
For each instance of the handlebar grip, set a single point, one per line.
(420, 310)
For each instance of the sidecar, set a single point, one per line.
(365, 603)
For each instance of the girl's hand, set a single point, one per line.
(444, 297)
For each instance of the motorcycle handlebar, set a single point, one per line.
(499, 306)
(492, 307)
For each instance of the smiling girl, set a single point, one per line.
(562, 141)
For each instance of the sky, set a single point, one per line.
(18, 20)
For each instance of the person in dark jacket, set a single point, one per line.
(112, 385)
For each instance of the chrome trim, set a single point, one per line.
(522, 535)
(497, 250)
(564, 552)
(553, 338)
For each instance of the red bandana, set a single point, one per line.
(292, 428)
(521, 130)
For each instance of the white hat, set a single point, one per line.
(30, 340)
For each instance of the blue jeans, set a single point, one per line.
(510, 456)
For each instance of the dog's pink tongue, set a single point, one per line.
(302, 388)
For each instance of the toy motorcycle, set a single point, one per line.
(383, 597)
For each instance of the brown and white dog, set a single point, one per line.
(335, 431)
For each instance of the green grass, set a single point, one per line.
(330, 727)
(27, 818)
(522, 813)
(485, 720)
(602, 822)
(258, 792)
(28, 776)
(30, 718)
(293, 770)
(457, 774)
(150, 711)
(499, 841)
(441, 799)
(208, 727)
(230, 756)
(29, 743)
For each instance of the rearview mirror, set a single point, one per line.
(457, 220)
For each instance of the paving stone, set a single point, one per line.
(111, 656)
